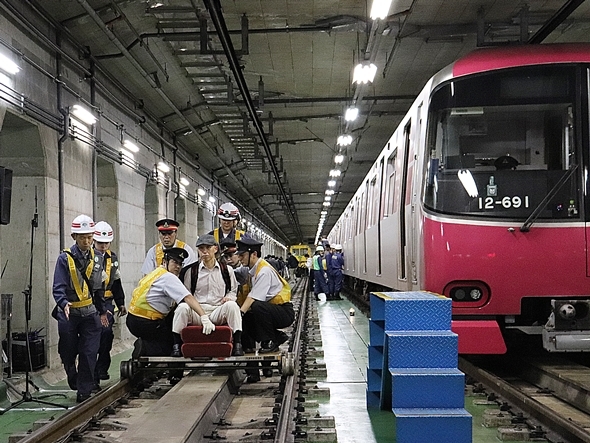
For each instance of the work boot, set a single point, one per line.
(137, 349)
(176, 352)
(237, 350)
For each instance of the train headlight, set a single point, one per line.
(475, 294)
(467, 293)
(459, 294)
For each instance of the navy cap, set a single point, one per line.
(246, 244)
(167, 224)
(178, 254)
(206, 240)
(227, 245)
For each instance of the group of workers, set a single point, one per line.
(227, 283)
(326, 271)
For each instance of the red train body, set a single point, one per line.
(482, 194)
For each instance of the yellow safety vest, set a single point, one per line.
(139, 305)
(108, 261)
(284, 295)
(237, 237)
(243, 292)
(160, 251)
(82, 290)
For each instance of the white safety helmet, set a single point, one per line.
(82, 224)
(103, 232)
(319, 248)
(338, 247)
(228, 211)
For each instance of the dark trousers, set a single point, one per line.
(156, 335)
(310, 280)
(320, 282)
(103, 363)
(79, 337)
(263, 319)
(335, 282)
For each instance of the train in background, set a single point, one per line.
(299, 251)
(482, 194)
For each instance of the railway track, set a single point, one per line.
(208, 403)
(544, 398)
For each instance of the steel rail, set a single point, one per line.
(547, 416)
(78, 416)
(285, 423)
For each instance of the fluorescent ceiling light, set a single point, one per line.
(163, 167)
(83, 114)
(326, 203)
(364, 73)
(380, 9)
(338, 159)
(201, 192)
(131, 146)
(332, 183)
(184, 181)
(212, 199)
(344, 140)
(8, 65)
(335, 173)
(329, 192)
(351, 114)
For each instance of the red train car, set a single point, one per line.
(482, 194)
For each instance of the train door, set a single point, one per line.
(414, 182)
(404, 200)
(381, 196)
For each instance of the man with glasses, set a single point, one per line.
(167, 230)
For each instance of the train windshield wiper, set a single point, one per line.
(537, 211)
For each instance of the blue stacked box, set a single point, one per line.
(412, 331)
(422, 349)
(445, 425)
(417, 311)
(427, 388)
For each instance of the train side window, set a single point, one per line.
(390, 184)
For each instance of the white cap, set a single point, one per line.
(319, 248)
(338, 247)
(82, 224)
(103, 232)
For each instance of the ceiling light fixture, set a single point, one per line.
(351, 114)
(380, 9)
(329, 192)
(344, 140)
(8, 65)
(326, 203)
(83, 114)
(163, 167)
(338, 159)
(335, 173)
(131, 146)
(184, 181)
(201, 192)
(364, 73)
(332, 183)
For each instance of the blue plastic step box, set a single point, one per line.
(422, 349)
(427, 388)
(414, 425)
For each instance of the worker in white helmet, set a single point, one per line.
(229, 216)
(81, 311)
(114, 296)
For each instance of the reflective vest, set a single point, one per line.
(81, 288)
(284, 295)
(110, 268)
(160, 251)
(139, 305)
(238, 234)
(243, 292)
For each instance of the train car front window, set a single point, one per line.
(498, 144)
